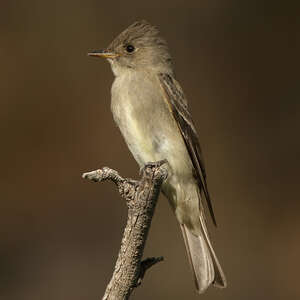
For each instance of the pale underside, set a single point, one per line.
(152, 134)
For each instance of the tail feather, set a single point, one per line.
(199, 258)
(205, 265)
(220, 279)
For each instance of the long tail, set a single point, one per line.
(204, 262)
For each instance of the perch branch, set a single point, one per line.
(141, 197)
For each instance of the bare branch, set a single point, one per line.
(141, 197)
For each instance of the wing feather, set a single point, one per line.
(178, 106)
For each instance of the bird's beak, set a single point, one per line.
(103, 53)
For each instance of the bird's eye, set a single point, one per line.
(130, 48)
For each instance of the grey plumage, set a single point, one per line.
(151, 111)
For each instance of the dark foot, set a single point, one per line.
(153, 165)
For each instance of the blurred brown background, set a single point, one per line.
(237, 62)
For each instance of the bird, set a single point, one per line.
(151, 111)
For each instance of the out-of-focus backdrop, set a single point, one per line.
(237, 63)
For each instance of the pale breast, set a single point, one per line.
(145, 121)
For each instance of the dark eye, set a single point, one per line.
(130, 48)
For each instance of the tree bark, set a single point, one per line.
(141, 197)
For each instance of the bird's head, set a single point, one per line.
(137, 47)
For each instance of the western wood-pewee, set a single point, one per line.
(151, 111)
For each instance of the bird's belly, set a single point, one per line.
(151, 132)
(147, 139)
